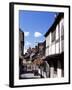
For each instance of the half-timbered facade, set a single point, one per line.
(55, 47)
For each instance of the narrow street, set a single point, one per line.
(29, 76)
(31, 72)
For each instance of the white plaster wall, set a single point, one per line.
(47, 44)
(47, 41)
(61, 22)
(61, 48)
(57, 36)
(50, 49)
(50, 39)
(57, 48)
(46, 54)
(53, 49)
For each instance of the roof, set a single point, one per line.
(57, 20)
(41, 43)
(20, 30)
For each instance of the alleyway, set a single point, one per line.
(31, 72)
(29, 76)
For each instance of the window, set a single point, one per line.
(62, 32)
(62, 37)
(48, 40)
(59, 30)
(53, 35)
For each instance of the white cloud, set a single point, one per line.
(26, 34)
(37, 34)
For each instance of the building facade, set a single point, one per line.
(55, 47)
(41, 48)
(21, 42)
(21, 50)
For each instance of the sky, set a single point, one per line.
(35, 24)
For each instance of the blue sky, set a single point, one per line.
(35, 24)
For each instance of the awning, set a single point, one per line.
(55, 56)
